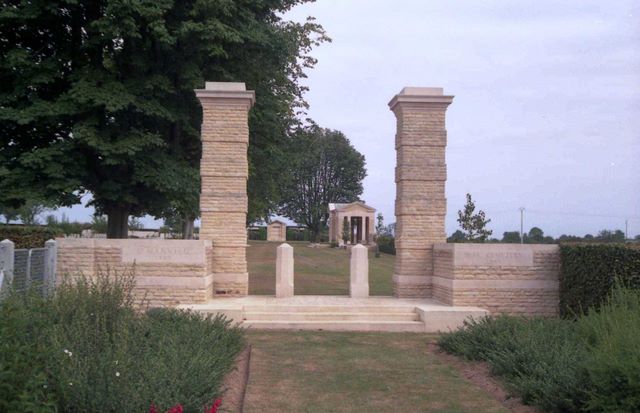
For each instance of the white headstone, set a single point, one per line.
(284, 271)
(359, 277)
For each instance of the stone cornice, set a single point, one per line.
(245, 97)
(420, 97)
(226, 93)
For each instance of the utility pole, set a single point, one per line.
(521, 225)
(626, 229)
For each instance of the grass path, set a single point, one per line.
(355, 372)
(318, 271)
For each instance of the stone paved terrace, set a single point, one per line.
(339, 313)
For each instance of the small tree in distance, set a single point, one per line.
(346, 231)
(379, 231)
(473, 224)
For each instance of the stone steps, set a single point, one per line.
(330, 316)
(339, 313)
(332, 308)
(338, 325)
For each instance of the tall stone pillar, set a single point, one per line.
(224, 172)
(421, 173)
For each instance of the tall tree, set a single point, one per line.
(606, 235)
(535, 236)
(325, 168)
(473, 224)
(97, 96)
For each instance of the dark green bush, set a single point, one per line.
(613, 362)
(28, 237)
(538, 358)
(387, 244)
(88, 349)
(591, 364)
(588, 272)
(258, 234)
(25, 385)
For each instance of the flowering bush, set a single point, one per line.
(87, 349)
(178, 408)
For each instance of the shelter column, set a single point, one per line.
(224, 173)
(421, 173)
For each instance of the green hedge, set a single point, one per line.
(387, 244)
(259, 234)
(28, 237)
(588, 272)
(588, 364)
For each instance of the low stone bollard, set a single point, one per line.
(359, 277)
(284, 271)
(7, 250)
(50, 263)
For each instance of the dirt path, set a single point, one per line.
(479, 374)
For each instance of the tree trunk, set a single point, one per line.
(117, 222)
(187, 228)
(314, 233)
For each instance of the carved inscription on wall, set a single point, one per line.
(495, 256)
(163, 252)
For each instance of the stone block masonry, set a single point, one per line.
(503, 278)
(420, 175)
(224, 173)
(167, 272)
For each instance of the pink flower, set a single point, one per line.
(175, 409)
(152, 408)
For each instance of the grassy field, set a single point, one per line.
(355, 372)
(318, 271)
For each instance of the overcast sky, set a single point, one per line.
(546, 113)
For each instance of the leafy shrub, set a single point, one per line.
(24, 383)
(387, 244)
(592, 364)
(613, 362)
(259, 234)
(588, 273)
(88, 349)
(28, 237)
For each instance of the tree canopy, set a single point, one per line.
(324, 168)
(97, 96)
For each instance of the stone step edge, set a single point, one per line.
(390, 326)
(296, 317)
(329, 308)
(326, 313)
(389, 322)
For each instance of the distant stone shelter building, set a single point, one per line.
(360, 218)
(277, 231)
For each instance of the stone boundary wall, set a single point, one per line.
(503, 278)
(167, 272)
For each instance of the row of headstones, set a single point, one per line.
(358, 273)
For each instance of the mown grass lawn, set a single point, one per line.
(318, 271)
(355, 372)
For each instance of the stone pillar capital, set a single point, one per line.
(226, 94)
(420, 97)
